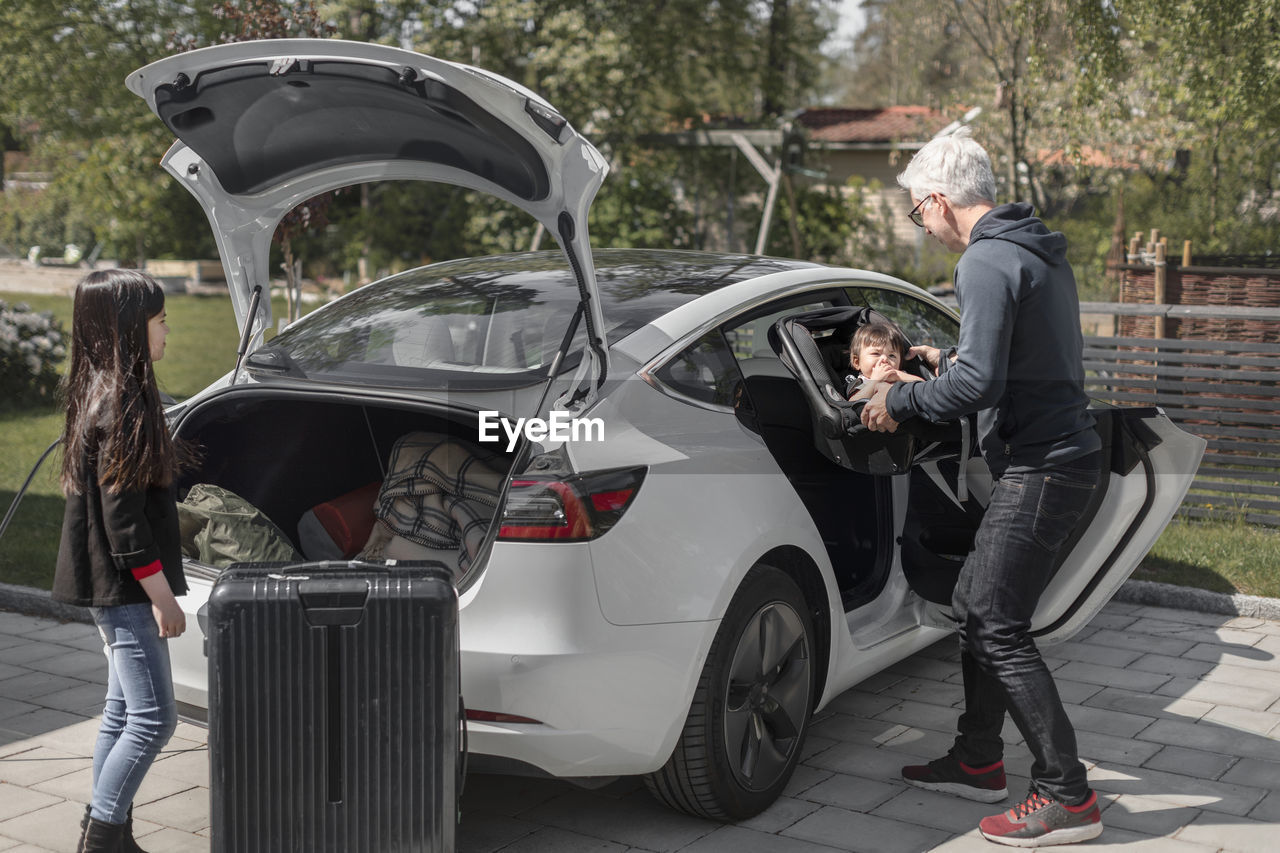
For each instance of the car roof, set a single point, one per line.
(631, 273)
(637, 286)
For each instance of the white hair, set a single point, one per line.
(955, 166)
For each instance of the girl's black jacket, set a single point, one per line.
(106, 535)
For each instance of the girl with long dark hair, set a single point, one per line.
(120, 553)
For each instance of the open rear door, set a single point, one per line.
(1149, 465)
(1152, 464)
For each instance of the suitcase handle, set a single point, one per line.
(295, 568)
(386, 568)
(337, 601)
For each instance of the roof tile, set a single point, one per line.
(883, 124)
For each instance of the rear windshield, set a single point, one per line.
(493, 322)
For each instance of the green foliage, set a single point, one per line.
(1225, 52)
(46, 218)
(64, 67)
(32, 346)
(138, 210)
(852, 226)
(1220, 209)
(818, 225)
(619, 71)
(1173, 105)
(639, 208)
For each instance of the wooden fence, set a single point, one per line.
(1227, 392)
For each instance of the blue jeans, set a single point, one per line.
(140, 714)
(1030, 517)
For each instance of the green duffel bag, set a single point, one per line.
(220, 528)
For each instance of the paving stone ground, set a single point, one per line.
(1177, 712)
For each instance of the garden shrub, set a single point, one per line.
(32, 346)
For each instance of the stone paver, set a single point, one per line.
(1148, 704)
(1191, 762)
(1177, 713)
(1232, 834)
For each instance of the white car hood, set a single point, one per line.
(265, 125)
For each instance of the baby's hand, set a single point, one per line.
(881, 372)
(894, 375)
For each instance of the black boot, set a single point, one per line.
(84, 829)
(102, 837)
(127, 844)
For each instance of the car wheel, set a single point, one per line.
(742, 738)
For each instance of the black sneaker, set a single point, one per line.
(949, 775)
(1038, 821)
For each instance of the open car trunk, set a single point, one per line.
(315, 464)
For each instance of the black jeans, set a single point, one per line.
(1028, 520)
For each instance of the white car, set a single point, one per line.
(690, 552)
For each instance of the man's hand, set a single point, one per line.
(875, 416)
(931, 356)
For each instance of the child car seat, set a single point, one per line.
(838, 430)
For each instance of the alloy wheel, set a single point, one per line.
(770, 680)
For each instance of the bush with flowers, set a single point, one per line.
(32, 346)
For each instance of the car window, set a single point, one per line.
(922, 323)
(495, 321)
(705, 371)
(749, 337)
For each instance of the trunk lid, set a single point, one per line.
(265, 125)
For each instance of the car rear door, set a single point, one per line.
(944, 488)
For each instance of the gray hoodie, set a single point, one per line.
(1019, 357)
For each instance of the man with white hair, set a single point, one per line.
(1018, 366)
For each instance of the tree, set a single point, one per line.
(64, 67)
(620, 71)
(1223, 105)
(907, 53)
(1010, 35)
(268, 19)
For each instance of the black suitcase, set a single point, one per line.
(334, 708)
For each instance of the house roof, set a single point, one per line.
(881, 124)
(1087, 155)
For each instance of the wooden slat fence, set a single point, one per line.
(1227, 392)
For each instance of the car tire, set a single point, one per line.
(751, 709)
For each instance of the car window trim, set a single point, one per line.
(671, 350)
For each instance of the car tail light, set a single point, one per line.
(498, 717)
(570, 509)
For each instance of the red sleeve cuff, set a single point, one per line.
(147, 570)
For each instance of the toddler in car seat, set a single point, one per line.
(876, 354)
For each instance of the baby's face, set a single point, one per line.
(874, 360)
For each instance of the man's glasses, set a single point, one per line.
(916, 215)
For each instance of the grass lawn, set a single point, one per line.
(1220, 556)
(1214, 555)
(201, 348)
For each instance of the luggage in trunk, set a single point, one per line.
(305, 463)
(334, 708)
